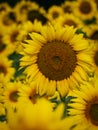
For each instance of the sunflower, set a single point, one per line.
(4, 7)
(8, 18)
(11, 37)
(10, 95)
(93, 34)
(54, 12)
(71, 20)
(67, 7)
(22, 7)
(28, 93)
(6, 68)
(41, 116)
(85, 106)
(5, 49)
(85, 9)
(56, 59)
(4, 126)
(26, 28)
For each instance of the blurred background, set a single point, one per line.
(45, 3)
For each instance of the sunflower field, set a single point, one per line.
(49, 65)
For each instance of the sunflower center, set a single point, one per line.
(67, 9)
(93, 112)
(70, 23)
(57, 60)
(3, 69)
(13, 96)
(33, 96)
(14, 35)
(96, 58)
(95, 35)
(85, 7)
(55, 14)
(35, 14)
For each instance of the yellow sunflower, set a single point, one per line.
(4, 7)
(10, 95)
(56, 59)
(85, 9)
(6, 68)
(11, 37)
(95, 56)
(71, 20)
(28, 93)
(39, 117)
(4, 126)
(93, 34)
(5, 49)
(54, 12)
(67, 7)
(22, 7)
(8, 18)
(25, 29)
(85, 106)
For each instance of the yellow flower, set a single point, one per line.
(22, 7)
(28, 93)
(6, 68)
(11, 37)
(67, 7)
(4, 126)
(85, 9)
(71, 20)
(39, 117)
(54, 12)
(56, 59)
(4, 7)
(85, 106)
(10, 95)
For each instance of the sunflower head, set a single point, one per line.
(56, 57)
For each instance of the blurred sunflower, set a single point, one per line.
(57, 58)
(28, 93)
(95, 56)
(71, 20)
(85, 106)
(54, 12)
(11, 37)
(22, 7)
(4, 126)
(67, 7)
(4, 7)
(93, 34)
(6, 68)
(8, 18)
(10, 95)
(5, 49)
(39, 117)
(85, 9)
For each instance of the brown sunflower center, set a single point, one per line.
(33, 96)
(14, 35)
(3, 69)
(67, 9)
(93, 112)
(55, 14)
(85, 7)
(96, 58)
(94, 36)
(14, 96)
(57, 60)
(70, 23)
